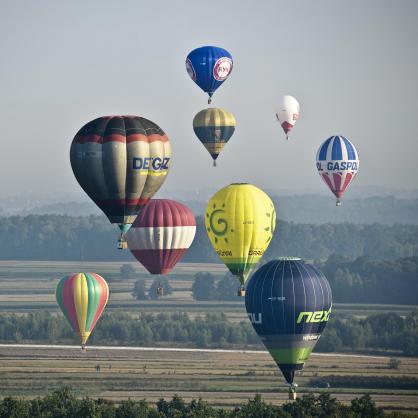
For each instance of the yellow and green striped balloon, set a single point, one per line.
(214, 127)
(240, 221)
(82, 298)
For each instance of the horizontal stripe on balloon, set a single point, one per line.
(290, 341)
(160, 238)
(114, 138)
(165, 212)
(121, 202)
(120, 138)
(123, 129)
(145, 172)
(214, 133)
(291, 356)
(159, 261)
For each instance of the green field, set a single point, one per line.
(30, 285)
(223, 379)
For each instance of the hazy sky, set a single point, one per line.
(352, 65)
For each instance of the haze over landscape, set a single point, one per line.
(352, 66)
(185, 344)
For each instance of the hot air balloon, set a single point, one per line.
(240, 221)
(337, 163)
(214, 127)
(161, 235)
(288, 302)
(120, 162)
(209, 67)
(288, 113)
(82, 298)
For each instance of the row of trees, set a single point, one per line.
(363, 280)
(159, 287)
(61, 237)
(207, 287)
(63, 404)
(387, 331)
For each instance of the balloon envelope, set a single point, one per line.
(214, 127)
(120, 162)
(240, 221)
(288, 113)
(209, 67)
(337, 163)
(288, 302)
(161, 235)
(82, 298)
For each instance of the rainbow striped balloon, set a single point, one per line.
(82, 298)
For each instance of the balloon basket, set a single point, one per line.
(214, 163)
(241, 292)
(83, 348)
(122, 244)
(338, 203)
(292, 395)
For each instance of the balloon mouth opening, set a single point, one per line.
(124, 228)
(289, 259)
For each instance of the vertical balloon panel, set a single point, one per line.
(82, 298)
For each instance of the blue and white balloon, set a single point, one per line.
(209, 67)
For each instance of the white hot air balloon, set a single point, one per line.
(288, 113)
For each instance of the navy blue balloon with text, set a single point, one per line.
(288, 302)
(209, 67)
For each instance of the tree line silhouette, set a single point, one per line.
(62, 237)
(63, 403)
(362, 280)
(387, 331)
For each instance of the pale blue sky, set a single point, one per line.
(352, 65)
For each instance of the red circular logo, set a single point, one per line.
(222, 68)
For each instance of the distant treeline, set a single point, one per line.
(365, 280)
(321, 209)
(362, 280)
(376, 332)
(60, 237)
(315, 209)
(64, 404)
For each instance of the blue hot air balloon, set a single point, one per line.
(288, 302)
(209, 67)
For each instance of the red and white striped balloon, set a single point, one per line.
(161, 234)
